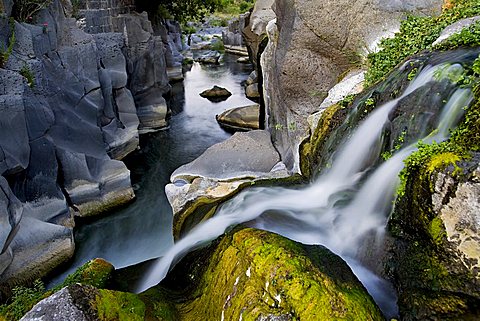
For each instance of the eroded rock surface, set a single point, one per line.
(198, 187)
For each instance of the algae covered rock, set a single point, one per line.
(435, 259)
(81, 302)
(257, 275)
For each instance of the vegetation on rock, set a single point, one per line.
(25, 10)
(417, 34)
(253, 274)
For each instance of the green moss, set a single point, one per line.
(28, 75)
(416, 34)
(22, 301)
(96, 272)
(121, 306)
(255, 273)
(437, 230)
(310, 149)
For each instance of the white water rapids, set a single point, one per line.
(333, 211)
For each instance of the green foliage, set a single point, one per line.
(27, 73)
(416, 34)
(467, 37)
(23, 299)
(180, 10)
(25, 10)
(347, 101)
(235, 7)
(75, 8)
(396, 146)
(5, 53)
(218, 45)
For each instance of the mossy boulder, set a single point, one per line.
(96, 272)
(84, 302)
(435, 260)
(258, 275)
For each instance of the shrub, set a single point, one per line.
(25, 10)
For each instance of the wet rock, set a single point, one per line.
(259, 275)
(240, 118)
(219, 173)
(38, 248)
(209, 57)
(216, 93)
(435, 259)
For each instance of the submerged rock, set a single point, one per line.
(241, 118)
(216, 93)
(257, 275)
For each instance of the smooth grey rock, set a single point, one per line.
(95, 185)
(240, 118)
(38, 248)
(242, 155)
(14, 147)
(11, 212)
(60, 306)
(455, 28)
(220, 172)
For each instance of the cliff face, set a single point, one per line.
(310, 45)
(74, 95)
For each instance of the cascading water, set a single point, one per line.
(339, 210)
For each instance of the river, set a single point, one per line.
(143, 229)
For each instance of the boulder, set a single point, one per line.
(325, 39)
(251, 91)
(210, 57)
(240, 118)
(197, 188)
(216, 93)
(38, 248)
(243, 60)
(83, 302)
(435, 259)
(250, 274)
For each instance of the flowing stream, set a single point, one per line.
(344, 207)
(122, 237)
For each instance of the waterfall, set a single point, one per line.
(339, 209)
